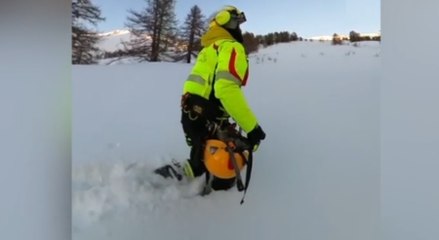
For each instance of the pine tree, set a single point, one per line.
(251, 43)
(293, 36)
(260, 39)
(153, 29)
(84, 40)
(193, 28)
(354, 36)
(269, 39)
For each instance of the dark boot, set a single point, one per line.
(176, 170)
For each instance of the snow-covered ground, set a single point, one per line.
(316, 176)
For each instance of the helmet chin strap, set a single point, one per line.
(239, 184)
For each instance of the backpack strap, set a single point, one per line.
(248, 174)
(241, 187)
(239, 184)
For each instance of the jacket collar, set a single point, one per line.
(215, 33)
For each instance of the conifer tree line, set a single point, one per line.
(353, 37)
(84, 40)
(156, 34)
(356, 37)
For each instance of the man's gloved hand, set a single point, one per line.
(255, 136)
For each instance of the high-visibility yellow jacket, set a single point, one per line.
(222, 63)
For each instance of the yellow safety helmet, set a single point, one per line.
(217, 159)
(227, 13)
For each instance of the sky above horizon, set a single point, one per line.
(307, 18)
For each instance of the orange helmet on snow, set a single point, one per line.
(217, 159)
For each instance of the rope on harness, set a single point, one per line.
(248, 174)
(241, 146)
(239, 184)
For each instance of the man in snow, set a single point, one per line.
(212, 94)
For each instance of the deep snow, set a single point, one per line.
(316, 176)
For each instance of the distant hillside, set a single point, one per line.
(111, 41)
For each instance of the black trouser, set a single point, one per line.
(197, 131)
(196, 128)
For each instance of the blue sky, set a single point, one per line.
(305, 17)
